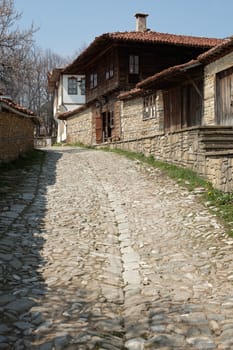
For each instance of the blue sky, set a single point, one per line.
(66, 26)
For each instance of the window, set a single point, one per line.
(149, 108)
(110, 71)
(133, 64)
(93, 80)
(72, 86)
(82, 86)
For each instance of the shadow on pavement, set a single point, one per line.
(22, 212)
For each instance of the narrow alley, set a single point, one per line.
(101, 252)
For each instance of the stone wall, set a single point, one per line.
(133, 125)
(210, 72)
(79, 127)
(16, 136)
(185, 148)
(219, 170)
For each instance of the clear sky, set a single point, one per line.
(66, 26)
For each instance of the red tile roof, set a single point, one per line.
(217, 51)
(9, 105)
(163, 38)
(149, 37)
(205, 58)
(131, 93)
(65, 115)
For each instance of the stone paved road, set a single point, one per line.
(100, 252)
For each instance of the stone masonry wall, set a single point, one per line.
(210, 87)
(184, 148)
(219, 170)
(16, 136)
(133, 125)
(79, 127)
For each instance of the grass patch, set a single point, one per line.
(219, 202)
(184, 176)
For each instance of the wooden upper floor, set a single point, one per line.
(118, 61)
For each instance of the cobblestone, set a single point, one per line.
(101, 252)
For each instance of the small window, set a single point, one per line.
(72, 86)
(149, 108)
(93, 80)
(110, 71)
(133, 64)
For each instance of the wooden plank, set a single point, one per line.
(224, 97)
(98, 128)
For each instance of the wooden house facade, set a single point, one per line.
(193, 120)
(115, 62)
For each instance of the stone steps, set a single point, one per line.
(217, 138)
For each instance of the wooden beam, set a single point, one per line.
(194, 85)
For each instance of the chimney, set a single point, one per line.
(141, 22)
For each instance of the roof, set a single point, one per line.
(131, 93)
(148, 37)
(170, 72)
(217, 51)
(8, 105)
(65, 115)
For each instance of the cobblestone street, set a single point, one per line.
(101, 252)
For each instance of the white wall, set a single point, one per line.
(72, 99)
(63, 102)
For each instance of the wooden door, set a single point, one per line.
(224, 97)
(98, 128)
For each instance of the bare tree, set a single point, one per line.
(14, 43)
(32, 84)
(24, 66)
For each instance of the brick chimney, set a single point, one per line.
(141, 22)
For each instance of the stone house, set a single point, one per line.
(114, 63)
(17, 129)
(184, 115)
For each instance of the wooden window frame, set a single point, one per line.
(134, 64)
(72, 86)
(110, 71)
(93, 80)
(149, 107)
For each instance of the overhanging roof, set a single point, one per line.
(149, 37)
(217, 52)
(9, 106)
(167, 74)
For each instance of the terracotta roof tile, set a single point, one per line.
(164, 38)
(65, 115)
(209, 56)
(150, 37)
(131, 93)
(217, 51)
(8, 103)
